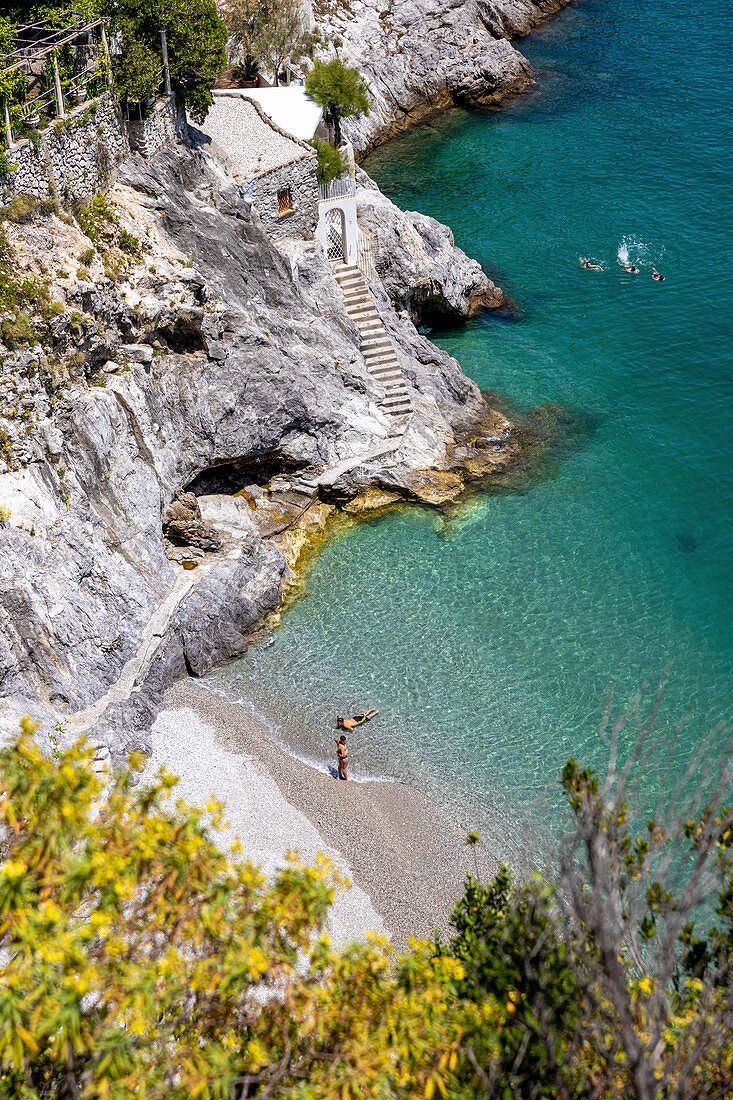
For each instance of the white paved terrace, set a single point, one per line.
(252, 145)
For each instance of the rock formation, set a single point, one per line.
(421, 56)
(417, 259)
(203, 360)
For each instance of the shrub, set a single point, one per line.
(18, 331)
(129, 244)
(86, 257)
(20, 209)
(331, 162)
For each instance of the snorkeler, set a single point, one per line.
(588, 265)
(657, 276)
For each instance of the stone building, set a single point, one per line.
(277, 171)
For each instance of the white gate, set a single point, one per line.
(335, 236)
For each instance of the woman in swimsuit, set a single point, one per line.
(342, 756)
(588, 265)
(656, 276)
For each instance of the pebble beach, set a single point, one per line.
(403, 852)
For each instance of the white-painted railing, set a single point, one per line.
(337, 189)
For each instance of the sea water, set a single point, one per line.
(488, 639)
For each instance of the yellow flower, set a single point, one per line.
(14, 869)
(645, 986)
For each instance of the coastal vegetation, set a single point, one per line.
(339, 89)
(195, 35)
(142, 959)
(331, 161)
(269, 35)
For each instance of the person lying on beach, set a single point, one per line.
(631, 268)
(656, 276)
(350, 724)
(588, 265)
(342, 756)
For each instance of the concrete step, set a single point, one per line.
(340, 270)
(396, 406)
(364, 311)
(351, 290)
(351, 281)
(378, 353)
(385, 373)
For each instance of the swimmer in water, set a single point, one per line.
(631, 268)
(588, 265)
(657, 276)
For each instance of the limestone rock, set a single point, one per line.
(422, 56)
(418, 261)
(95, 620)
(182, 523)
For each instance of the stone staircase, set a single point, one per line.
(376, 345)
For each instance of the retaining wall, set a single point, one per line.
(79, 154)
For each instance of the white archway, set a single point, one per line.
(337, 230)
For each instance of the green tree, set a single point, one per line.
(272, 31)
(339, 89)
(136, 70)
(331, 162)
(196, 40)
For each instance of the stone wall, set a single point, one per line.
(162, 127)
(299, 177)
(78, 154)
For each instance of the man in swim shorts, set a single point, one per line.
(350, 724)
(342, 756)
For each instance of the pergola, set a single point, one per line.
(38, 42)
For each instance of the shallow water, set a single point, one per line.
(488, 641)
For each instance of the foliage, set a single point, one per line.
(10, 83)
(135, 70)
(129, 244)
(196, 40)
(271, 31)
(612, 987)
(140, 959)
(331, 162)
(339, 89)
(96, 219)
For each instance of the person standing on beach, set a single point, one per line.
(342, 755)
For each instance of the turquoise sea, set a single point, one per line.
(488, 639)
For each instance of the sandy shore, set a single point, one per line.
(403, 852)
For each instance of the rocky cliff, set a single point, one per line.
(166, 345)
(422, 56)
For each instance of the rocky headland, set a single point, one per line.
(185, 406)
(421, 57)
